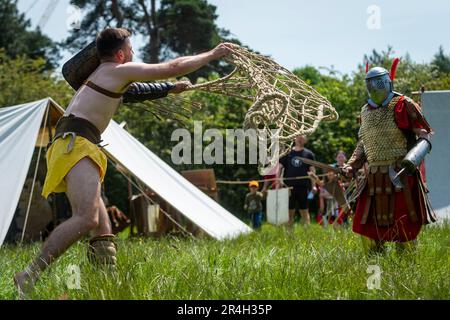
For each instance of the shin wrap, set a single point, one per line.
(103, 250)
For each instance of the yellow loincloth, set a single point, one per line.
(59, 162)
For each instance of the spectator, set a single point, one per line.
(328, 207)
(294, 167)
(253, 204)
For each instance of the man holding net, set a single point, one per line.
(76, 164)
(294, 167)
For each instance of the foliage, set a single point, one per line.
(23, 80)
(17, 39)
(97, 16)
(347, 94)
(441, 61)
(275, 263)
(177, 27)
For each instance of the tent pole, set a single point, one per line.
(136, 185)
(131, 207)
(50, 139)
(35, 173)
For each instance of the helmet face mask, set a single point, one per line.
(379, 85)
(379, 88)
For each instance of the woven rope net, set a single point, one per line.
(283, 106)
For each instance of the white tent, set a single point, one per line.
(19, 130)
(436, 108)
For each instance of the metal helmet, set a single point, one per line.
(379, 86)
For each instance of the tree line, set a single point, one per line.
(172, 28)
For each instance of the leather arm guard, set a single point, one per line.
(102, 250)
(141, 91)
(416, 155)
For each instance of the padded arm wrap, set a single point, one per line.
(141, 91)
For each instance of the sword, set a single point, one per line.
(333, 187)
(395, 178)
(321, 165)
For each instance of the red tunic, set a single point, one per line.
(403, 228)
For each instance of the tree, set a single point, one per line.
(23, 80)
(17, 40)
(441, 61)
(178, 27)
(347, 93)
(98, 16)
(341, 134)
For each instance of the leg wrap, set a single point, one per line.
(372, 246)
(103, 250)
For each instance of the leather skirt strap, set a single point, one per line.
(79, 126)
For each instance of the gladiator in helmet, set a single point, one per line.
(394, 138)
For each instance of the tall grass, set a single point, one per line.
(275, 263)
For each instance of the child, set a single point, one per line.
(253, 204)
(328, 207)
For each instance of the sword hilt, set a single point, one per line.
(399, 173)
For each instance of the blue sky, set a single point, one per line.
(322, 33)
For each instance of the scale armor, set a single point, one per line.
(384, 143)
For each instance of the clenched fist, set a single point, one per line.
(180, 86)
(222, 49)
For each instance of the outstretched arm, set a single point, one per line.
(131, 71)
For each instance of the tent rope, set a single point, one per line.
(35, 174)
(151, 200)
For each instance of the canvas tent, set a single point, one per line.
(436, 108)
(23, 126)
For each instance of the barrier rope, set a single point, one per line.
(264, 180)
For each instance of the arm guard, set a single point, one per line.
(416, 155)
(141, 91)
(358, 157)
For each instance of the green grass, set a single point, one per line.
(275, 263)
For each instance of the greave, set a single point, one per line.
(102, 250)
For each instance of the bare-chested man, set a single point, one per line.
(75, 163)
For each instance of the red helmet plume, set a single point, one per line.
(394, 68)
